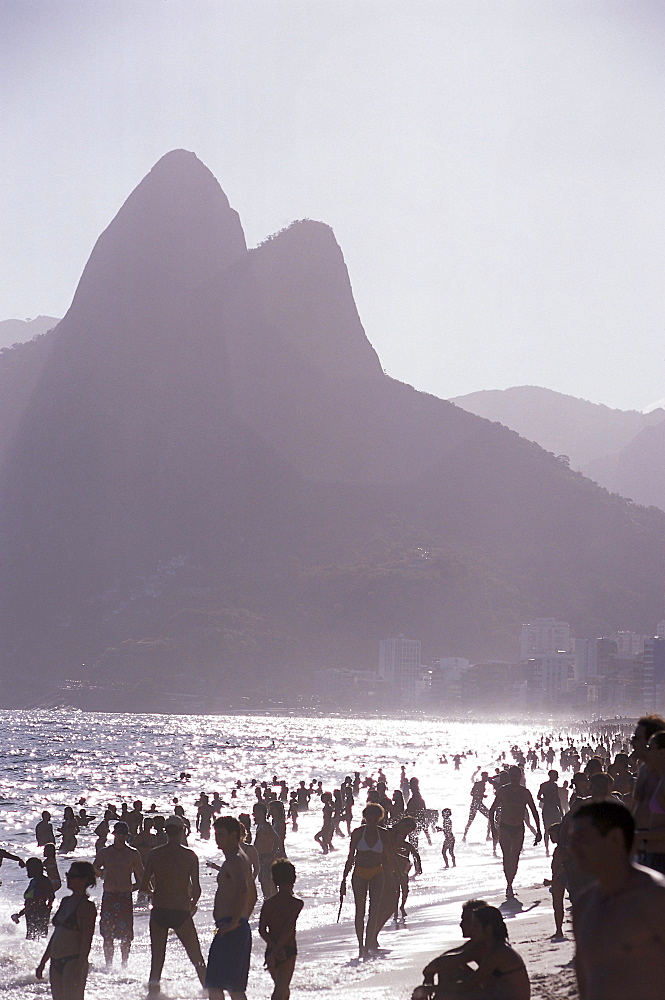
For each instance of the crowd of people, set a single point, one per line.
(611, 809)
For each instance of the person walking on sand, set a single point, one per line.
(366, 857)
(122, 870)
(230, 951)
(69, 945)
(513, 800)
(619, 922)
(171, 877)
(277, 927)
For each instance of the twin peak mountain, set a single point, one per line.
(207, 444)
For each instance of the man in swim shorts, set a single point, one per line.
(513, 800)
(228, 959)
(172, 878)
(122, 869)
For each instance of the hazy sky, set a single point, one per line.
(494, 171)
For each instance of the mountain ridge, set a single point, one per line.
(219, 443)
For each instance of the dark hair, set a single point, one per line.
(283, 872)
(594, 765)
(473, 904)
(553, 832)
(658, 740)
(36, 865)
(609, 815)
(650, 724)
(601, 778)
(246, 824)
(230, 824)
(406, 823)
(489, 916)
(374, 809)
(84, 870)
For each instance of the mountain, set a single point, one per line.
(638, 469)
(562, 424)
(213, 482)
(19, 331)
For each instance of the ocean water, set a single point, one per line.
(49, 760)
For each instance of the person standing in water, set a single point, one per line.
(122, 870)
(70, 942)
(230, 951)
(171, 876)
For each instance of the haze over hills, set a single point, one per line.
(212, 478)
(18, 331)
(623, 450)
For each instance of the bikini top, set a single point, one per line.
(364, 846)
(69, 922)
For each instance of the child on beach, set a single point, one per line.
(293, 811)
(38, 898)
(448, 837)
(277, 927)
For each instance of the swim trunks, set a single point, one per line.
(116, 920)
(228, 958)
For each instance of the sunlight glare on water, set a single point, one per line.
(49, 760)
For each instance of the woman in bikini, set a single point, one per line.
(368, 850)
(69, 944)
(501, 972)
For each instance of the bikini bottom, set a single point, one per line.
(367, 873)
(168, 918)
(58, 964)
(290, 951)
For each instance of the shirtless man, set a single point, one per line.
(118, 864)
(172, 878)
(228, 959)
(513, 800)
(619, 923)
(550, 804)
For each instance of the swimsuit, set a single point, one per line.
(170, 919)
(367, 873)
(290, 951)
(58, 964)
(116, 920)
(228, 958)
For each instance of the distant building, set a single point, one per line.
(493, 687)
(653, 683)
(399, 666)
(441, 683)
(550, 678)
(629, 643)
(544, 636)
